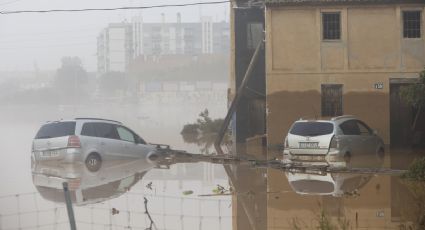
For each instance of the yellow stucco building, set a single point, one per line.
(323, 58)
(334, 57)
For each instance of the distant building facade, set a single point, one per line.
(120, 43)
(115, 48)
(205, 37)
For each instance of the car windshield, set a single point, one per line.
(58, 129)
(312, 128)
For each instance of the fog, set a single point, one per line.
(49, 72)
(32, 41)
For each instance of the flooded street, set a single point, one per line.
(23, 207)
(193, 195)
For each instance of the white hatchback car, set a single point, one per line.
(334, 141)
(334, 184)
(88, 140)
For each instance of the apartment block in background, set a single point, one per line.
(120, 43)
(189, 38)
(115, 48)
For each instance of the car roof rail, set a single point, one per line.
(56, 121)
(98, 119)
(314, 118)
(308, 118)
(342, 117)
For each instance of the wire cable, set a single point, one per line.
(113, 9)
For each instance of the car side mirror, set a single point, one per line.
(375, 132)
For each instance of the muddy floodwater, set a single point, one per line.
(129, 193)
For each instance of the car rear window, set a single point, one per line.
(311, 129)
(58, 129)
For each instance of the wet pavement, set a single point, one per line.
(245, 194)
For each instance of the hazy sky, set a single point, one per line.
(30, 41)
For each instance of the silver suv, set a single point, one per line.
(334, 141)
(113, 179)
(88, 140)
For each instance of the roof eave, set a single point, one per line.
(272, 3)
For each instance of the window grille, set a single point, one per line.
(331, 100)
(331, 26)
(412, 24)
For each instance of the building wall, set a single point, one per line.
(204, 37)
(101, 52)
(371, 209)
(207, 35)
(117, 51)
(115, 48)
(232, 59)
(120, 43)
(371, 50)
(137, 38)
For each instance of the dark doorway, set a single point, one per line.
(331, 100)
(249, 32)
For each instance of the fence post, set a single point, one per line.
(69, 206)
(18, 204)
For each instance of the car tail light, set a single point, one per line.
(74, 142)
(334, 143)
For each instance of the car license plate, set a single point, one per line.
(53, 153)
(309, 145)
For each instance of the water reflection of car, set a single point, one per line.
(332, 141)
(114, 178)
(335, 184)
(88, 140)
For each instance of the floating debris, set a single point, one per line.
(188, 192)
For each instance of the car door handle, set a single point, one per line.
(102, 143)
